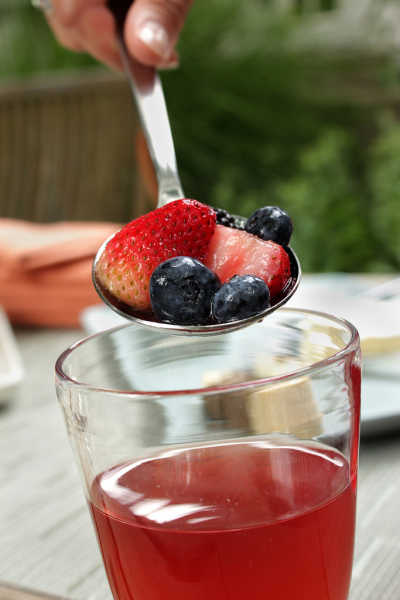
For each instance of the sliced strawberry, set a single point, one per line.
(236, 252)
(181, 228)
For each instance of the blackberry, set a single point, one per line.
(225, 218)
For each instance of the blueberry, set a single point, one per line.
(225, 218)
(181, 291)
(271, 223)
(241, 297)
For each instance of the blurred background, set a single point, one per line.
(287, 102)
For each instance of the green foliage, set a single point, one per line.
(325, 195)
(384, 180)
(240, 85)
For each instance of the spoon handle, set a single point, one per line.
(152, 110)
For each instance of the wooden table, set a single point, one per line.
(47, 544)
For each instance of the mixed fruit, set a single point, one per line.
(191, 264)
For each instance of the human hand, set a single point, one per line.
(152, 29)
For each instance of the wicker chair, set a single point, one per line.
(67, 149)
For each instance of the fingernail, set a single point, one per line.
(172, 62)
(156, 38)
(168, 66)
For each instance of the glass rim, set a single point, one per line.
(320, 365)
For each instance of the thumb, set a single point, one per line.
(152, 29)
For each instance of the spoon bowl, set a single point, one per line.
(149, 319)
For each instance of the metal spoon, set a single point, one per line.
(152, 110)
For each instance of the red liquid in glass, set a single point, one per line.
(231, 522)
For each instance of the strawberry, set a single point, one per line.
(236, 252)
(183, 227)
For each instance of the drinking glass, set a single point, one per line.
(220, 468)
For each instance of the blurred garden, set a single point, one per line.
(287, 102)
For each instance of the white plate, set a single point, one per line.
(380, 406)
(11, 369)
(378, 322)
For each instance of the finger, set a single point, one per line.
(96, 28)
(89, 27)
(68, 12)
(152, 29)
(67, 37)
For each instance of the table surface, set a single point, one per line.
(47, 544)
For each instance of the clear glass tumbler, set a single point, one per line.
(220, 468)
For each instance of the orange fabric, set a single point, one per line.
(46, 270)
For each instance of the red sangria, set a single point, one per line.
(230, 522)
